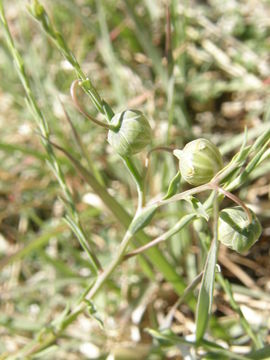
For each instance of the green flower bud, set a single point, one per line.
(199, 161)
(133, 132)
(235, 231)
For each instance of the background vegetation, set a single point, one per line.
(213, 82)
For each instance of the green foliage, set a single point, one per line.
(195, 72)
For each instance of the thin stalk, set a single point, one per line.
(237, 201)
(158, 148)
(107, 273)
(209, 186)
(187, 218)
(137, 179)
(225, 172)
(147, 163)
(102, 278)
(73, 94)
(39, 13)
(44, 129)
(184, 221)
(185, 194)
(155, 256)
(82, 148)
(215, 219)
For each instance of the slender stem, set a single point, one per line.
(209, 186)
(176, 228)
(185, 194)
(102, 278)
(147, 162)
(237, 201)
(39, 13)
(138, 180)
(108, 271)
(226, 171)
(158, 148)
(186, 219)
(73, 94)
(44, 129)
(215, 218)
(82, 147)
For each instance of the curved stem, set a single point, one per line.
(158, 148)
(212, 185)
(147, 162)
(73, 89)
(138, 180)
(237, 201)
(82, 147)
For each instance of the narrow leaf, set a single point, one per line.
(206, 292)
(198, 207)
(93, 313)
(142, 219)
(155, 256)
(173, 186)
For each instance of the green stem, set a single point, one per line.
(137, 179)
(45, 132)
(184, 221)
(212, 185)
(73, 94)
(185, 194)
(155, 256)
(107, 273)
(40, 14)
(83, 150)
(103, 277)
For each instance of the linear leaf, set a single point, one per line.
(173, 186)
(206, 292)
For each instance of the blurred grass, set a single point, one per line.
(219, 85)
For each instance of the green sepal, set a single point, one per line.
(235, 231)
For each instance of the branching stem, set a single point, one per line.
(186, 219)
